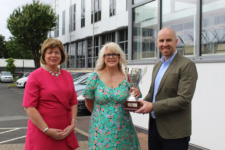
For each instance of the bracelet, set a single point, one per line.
(45, 129)
(73, 119)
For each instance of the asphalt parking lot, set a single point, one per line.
(13, 119)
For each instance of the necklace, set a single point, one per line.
(53, 74)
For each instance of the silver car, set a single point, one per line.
(80, 82)
(6, 76)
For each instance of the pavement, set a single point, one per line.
(81, 130)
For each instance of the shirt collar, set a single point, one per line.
(170, 59)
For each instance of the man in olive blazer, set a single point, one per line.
(170, 111)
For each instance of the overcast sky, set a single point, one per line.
(7, 7)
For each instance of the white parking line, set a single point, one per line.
(13, 128)
(9, 131)
(13, 139)
(12, 118)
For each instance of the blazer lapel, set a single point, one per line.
(155, 71)
(169, 69)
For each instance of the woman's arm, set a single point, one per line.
(37, 119)
(89, 104)
(71, 127)
(74, 114)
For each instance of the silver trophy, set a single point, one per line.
(134, 76)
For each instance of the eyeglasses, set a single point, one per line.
(107, 56)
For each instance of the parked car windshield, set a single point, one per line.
(6, 73)
(75, 75)
(84, 82)
(26, 74)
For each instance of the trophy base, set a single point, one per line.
(132, 105)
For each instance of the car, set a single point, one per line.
(81, 78)
(80, 82)
(81, 101)
(77, 74)
(6, 76)
(19, 75)
(22, 81)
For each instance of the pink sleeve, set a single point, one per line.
(73, 100)
(31, 93)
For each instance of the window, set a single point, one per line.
(96, 10)
(123, 41)
(137, 1)
(66, 50)
(57, 27)
(81, 54)
(145, 24)
(110, 37)
(71, 56)
(213, 27)
(181, 17)
(63, 22)
(82, 13)
(92, 51)
(112, 8)
(72, 18)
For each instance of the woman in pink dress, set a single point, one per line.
(50, 101)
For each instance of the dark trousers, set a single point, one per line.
(156, 142)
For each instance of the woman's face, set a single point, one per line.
(53, 57)
(111, 59)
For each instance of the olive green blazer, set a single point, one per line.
(172, 106)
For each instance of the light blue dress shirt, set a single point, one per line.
(162, 70)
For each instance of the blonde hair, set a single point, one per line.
(115, 48)
(52, 43)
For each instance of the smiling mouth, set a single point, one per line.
(112, 61)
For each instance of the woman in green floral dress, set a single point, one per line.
(107, 90)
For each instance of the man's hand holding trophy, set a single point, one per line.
(134, 76)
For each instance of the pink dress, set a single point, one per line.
(53, 97)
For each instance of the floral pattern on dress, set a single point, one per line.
(111, 126)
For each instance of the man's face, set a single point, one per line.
(167, 42)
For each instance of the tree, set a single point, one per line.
(10, 66)
(30, 25)
(3, 50)
(15, 50)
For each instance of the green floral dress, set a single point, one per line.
(111, 127)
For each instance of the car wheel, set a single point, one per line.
(24, 84)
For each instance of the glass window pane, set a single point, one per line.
(181, 16)
(84, 49)
(137, 1)
(213, 27)
(145, 22)
(92, 52)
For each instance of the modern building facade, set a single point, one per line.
(85, 25)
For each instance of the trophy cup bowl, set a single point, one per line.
(135, 75)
